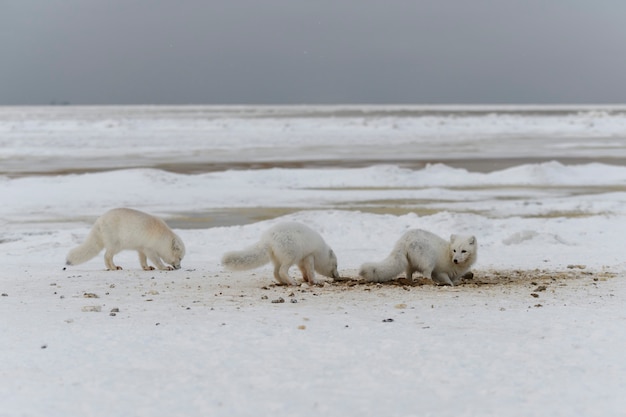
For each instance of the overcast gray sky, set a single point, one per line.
(312, 52)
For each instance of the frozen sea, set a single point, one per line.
(539, 330)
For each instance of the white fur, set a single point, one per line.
(127, 229)
(422, 251)
(286, 244)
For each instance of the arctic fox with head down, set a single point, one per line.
(127, 229)
(286, 244)
(419, 250)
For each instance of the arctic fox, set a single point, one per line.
(419, 250)
(124, 228)
(286, 244)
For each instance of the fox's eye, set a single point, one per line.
(463, 251)
(454, 250)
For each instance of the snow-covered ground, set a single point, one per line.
(538, 331)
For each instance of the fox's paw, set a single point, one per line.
(317, 281)
(148, 268)
(287, 283)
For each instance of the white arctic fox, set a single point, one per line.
(419, 250)
(124, 228)
(286, 244)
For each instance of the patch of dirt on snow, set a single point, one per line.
(244, 289)
(492, 277)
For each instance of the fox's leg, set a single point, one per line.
(276, 272)
(108, 260)
(307, 268)
(144, 262)
(156, 259)
(283, 275)
(281, 270)
(459, 278)
(409, 272)
(442, 278)
(276, 267)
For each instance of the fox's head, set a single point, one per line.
(176, 253)
(463, 249)
(329, 268)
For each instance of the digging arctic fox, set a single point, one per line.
(422, 251)
(286, 244)
(123, 228)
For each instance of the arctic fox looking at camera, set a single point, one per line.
(123, 228)
(422, 251)
(286, 244)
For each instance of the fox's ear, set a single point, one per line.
(452, 238)
(472, 240)
(175, 245)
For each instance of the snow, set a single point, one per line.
(549, 211)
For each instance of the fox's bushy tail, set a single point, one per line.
(249, 258)
(385, 270)
(87, 250)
